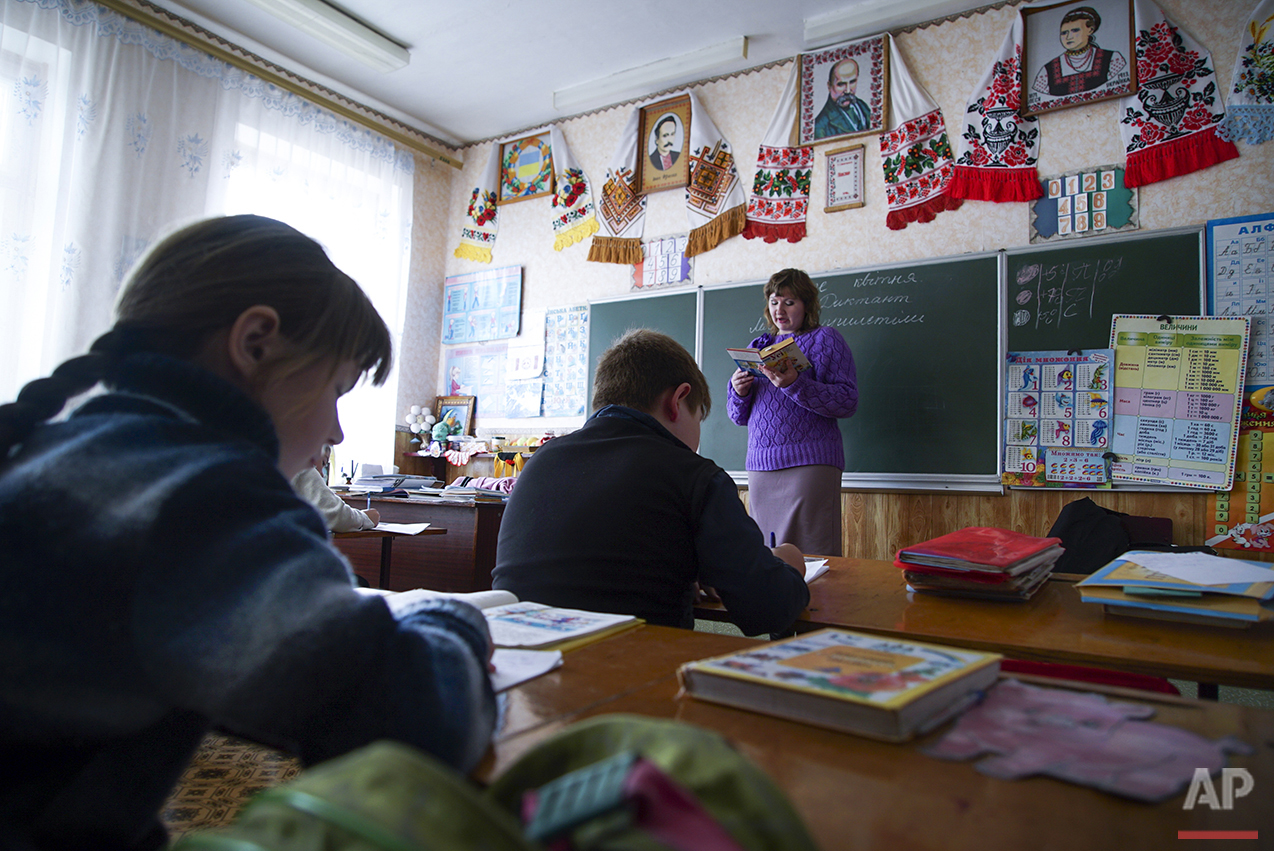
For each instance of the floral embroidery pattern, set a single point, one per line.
(85, 115)
(193, 151)
(230, 160)
(482, 206)
(781, 186)
(138, 130)
(70, 262)
(1174, 97)
(15, 256)
(570, 186)
(1005, 139)
(30, 93)
(1256, 80)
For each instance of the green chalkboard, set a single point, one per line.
(674, 314)
(1062, 297)
(926, 341)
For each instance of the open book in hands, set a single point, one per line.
(773, 357)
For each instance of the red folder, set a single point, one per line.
(984, 548)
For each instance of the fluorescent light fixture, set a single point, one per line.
(645, 79)
(337, 29)
(873, 16)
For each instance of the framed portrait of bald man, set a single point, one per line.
(1079, 52)
(844, 91)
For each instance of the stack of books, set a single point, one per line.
(980, 562)
(1187, 587)
(869, 685)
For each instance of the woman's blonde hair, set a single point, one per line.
(799, 285)
(197, 281)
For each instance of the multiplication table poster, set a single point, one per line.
(1057, 417)
(1178, 385)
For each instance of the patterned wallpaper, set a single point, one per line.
(948, 60)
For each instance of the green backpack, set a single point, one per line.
(611, 783)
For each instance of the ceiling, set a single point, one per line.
(484, 68)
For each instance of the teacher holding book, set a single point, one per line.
(795, 455)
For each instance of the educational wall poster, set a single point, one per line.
(1240, 254)
(1178, 387)
(1242, 518)
(478, 371)
(1057, 418)
(1090, 202)
(482, 305)
(522, 398)
(565, 361)
(664, 263)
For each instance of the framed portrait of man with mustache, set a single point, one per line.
(843, 91)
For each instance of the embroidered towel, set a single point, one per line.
(714, 196)
(573, 219)
(1168, 127)
(915, 156)
(1249, 109)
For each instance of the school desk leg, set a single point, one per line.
(386, 553)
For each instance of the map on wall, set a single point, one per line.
(483, 305)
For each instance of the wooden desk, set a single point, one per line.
(857, 793)
(462, 560)
(386, 546)
(1054, 626)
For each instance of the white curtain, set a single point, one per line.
(110, 133)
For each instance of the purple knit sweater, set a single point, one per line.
(796, 426)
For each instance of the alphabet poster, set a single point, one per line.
(1178, 389)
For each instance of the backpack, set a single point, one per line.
(611, 783)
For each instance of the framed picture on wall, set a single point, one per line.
(663, 142)
(526, 168)
(1079, 52)
(844, 90)
(844, 179)
(456, 412)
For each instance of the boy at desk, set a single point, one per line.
(625, 516)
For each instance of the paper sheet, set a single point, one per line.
(513, 667)
(403, 528)
(814, 568)
(1201, 568)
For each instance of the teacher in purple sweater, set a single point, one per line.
(795, 454)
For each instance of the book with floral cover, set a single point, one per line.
(870, 685)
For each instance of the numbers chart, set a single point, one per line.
(1057, 414)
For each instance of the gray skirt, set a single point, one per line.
(800, 505)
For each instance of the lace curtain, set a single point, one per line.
(111, 133)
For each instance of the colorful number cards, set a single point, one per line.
(1057, 418)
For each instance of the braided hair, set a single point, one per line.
(198, 281)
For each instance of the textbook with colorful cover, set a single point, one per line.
(984, 548)
(853, 682)
(773, 356)
(1130, 585)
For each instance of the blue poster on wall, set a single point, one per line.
(485, 305)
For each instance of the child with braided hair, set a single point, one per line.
(162, 577)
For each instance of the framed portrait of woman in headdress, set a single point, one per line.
(1075, 53)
